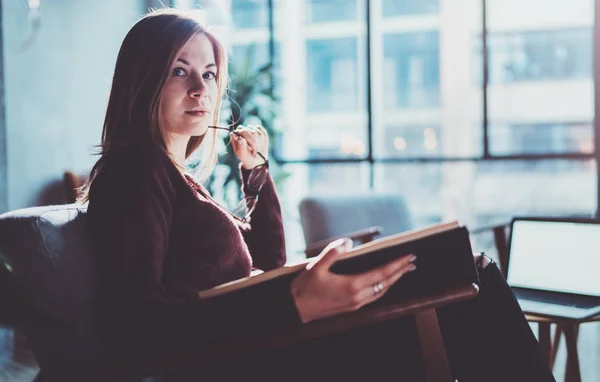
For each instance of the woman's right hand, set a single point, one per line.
(319, 293)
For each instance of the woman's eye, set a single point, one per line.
(210, 75)
(178, 72)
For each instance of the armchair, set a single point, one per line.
(361, 217)
(49, 251)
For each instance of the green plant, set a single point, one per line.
(251, 100)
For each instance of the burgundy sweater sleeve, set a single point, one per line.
(130, 212)
(264, 234)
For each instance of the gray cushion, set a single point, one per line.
(50, 250)
(327, 216)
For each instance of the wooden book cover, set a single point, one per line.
(444, 260)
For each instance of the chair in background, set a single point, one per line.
(361, 217)
(72, 183)
(50, 253)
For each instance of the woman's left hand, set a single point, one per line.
(247, 142)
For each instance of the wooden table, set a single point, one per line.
(570, 328)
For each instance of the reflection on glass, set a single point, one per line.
(409, 7)
(538, 55)
(250, 13)
(419, 185)
(346, 142)
(490, 192)
(412, 70)
(541, 138)
(332, 74)
(402, 141)
(500, 190)
(330, 10)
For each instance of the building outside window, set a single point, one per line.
(322, 11)
(427, 109)
(412, 68)
(409, 7)
(332, 74)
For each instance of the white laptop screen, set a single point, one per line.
(555, 256)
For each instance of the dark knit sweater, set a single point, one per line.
(159, 240)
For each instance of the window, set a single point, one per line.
(541, 138)
(330, 10)
(409, 7)
(332, 74)
(255, 55)
(419, 141)
(423, 134)
(412, 68)
(250, 13)
(538, 56)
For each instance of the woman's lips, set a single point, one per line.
(197, 113)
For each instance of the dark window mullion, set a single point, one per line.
(484, 39)
(369, 98)
(431, 159)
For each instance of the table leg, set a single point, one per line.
(572, 372)
(555, 344)
(544, 339)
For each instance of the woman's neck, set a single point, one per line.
(177, 147)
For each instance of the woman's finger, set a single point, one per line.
(329, 255)
(235, 141)
(248, 137)
(239, 144)
(377, 289)
(254, 134)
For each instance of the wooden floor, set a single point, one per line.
(21, 365)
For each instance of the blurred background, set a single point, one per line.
(383, 95)
(391, 96)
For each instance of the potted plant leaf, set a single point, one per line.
(251, 100)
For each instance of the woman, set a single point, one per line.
(160, 237)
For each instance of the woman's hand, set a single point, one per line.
(318, 293)
(248, 142)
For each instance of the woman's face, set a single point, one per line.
(188, 99)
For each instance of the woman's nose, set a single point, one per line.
(197, 88)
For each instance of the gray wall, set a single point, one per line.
(56, 91)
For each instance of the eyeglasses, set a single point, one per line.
(241, 136)
(256, 180)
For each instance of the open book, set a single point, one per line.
(444, 260)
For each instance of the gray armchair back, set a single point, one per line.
(325, 217)
(51, 254)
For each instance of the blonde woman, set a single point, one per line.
(160, 237)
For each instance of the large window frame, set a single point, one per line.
(486, 155)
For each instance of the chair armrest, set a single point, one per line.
(362, 236)
(289, 336)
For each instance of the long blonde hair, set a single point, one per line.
(142, 69)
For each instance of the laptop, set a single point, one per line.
(554, 266)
